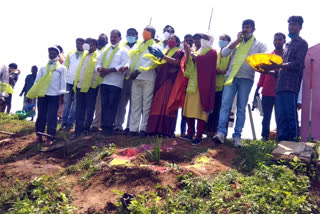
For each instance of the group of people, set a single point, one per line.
(157, 78)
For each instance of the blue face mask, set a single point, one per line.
(292, 35)
(223, 43)
(131, 39)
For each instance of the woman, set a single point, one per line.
(161, 121)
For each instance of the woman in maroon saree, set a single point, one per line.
(161, 121)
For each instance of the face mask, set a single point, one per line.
(86, 47)
(131, 39)
(146, 35)
(223, 43)
(205, 43)
(166, 36)
(292, 35)
(172, 43)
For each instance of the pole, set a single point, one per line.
(150, 20)
(251, 123)
(310, 107)
(210, 19)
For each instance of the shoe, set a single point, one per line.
(132, 134)
(187, 138)
(117, 131)
(126, 131)
(142, 134)
(196, 141)
(219, 138)
(106, 132)
(237, 142)
(63, 127)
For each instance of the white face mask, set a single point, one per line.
(205, 43)
(86, 47)
(166, 35)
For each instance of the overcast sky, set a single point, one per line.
(28, 28)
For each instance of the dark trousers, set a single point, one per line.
(267, 106)
(110, 96)
(85, 104)
(47, 114)
(183, 124)
(287, 116)
(201, 124)
(213, 117)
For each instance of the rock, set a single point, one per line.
(290, 149)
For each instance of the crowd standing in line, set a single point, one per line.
(96, 81)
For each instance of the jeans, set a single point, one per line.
(287, 116)
(267, 106)
(69, 107)
(85, 109)
(47, 114)
(110, 96)
(242, 88)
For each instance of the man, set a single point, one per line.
(197, 42)
(50, 83)
(188, 38)
(96, 123)
(168, 30)
(102, 42)
(29, 81)
(131, 44)
(69, 107)
(200, 91)
(289, 81)
(268, 84)
(222, 67)
(13, 78)
(239, 80)
(108, 66)
(143, 75)
(5, 88)
(85, 87)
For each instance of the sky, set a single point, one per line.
(28, 28)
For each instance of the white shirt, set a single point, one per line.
(4, 74)
(57, 84)
(74, 61)
(145, 62)
(119, 60)
(128, 49)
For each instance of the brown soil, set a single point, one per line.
(20, 158)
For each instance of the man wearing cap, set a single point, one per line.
(200, 92)
(71, 63)
(239, 80)
(86, 87)
(50, 83)
(131, 44)
(111, 78)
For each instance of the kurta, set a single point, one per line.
(198, 105)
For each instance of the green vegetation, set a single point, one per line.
(11, 123)
(42, 195)
(155, 154)
(271, 189)
(90, 164)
